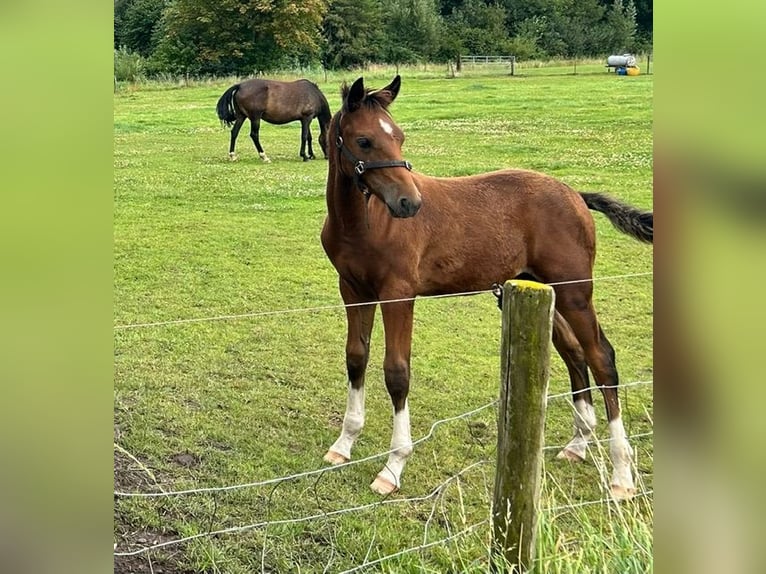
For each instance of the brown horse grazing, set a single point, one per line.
(393, 234)
(277, 103)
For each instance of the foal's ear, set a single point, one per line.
(356, 95)
(389, 93)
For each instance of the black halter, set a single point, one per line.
(362, 166)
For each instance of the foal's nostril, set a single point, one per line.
(408, 207)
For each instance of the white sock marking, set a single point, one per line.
(621, 454)
(353, 422)
(401, 444)
(584, 424)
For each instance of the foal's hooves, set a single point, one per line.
(566, 454)
(306, 158)
(382, 486)
(622, 493)
(334, 458)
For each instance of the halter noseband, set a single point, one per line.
(360, 167)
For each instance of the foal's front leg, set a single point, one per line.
(397, 323)
(360, 320)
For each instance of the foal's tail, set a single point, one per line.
(630, 220)
(227, 111)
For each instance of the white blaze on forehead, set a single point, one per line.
(387, 127)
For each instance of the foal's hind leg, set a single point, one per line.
(584, 416)
(255, 128)
(574, 303)
(234, 133)
(360, 320)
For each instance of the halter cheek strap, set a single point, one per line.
(360, 167)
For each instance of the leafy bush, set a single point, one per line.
(524, 47)
(128, 66)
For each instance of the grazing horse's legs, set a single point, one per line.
(585, 417)
(574, 303)
(234, 133)
(255, 127)
(360, 320)
(306, 139)
(397, 324)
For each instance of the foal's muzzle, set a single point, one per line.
(405, 207)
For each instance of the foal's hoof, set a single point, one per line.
(382, 486)
(232, 157)
(306, 158)
(566, 454)
(334, 458)
(622, 493)
(264, 157)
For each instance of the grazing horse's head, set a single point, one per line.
(370, 147)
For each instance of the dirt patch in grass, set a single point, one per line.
(144, 563)
(132, 476)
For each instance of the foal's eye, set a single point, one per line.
(364, 143)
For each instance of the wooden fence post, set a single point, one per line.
(527, 325)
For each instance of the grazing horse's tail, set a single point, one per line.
(227, 111)
(630, 220)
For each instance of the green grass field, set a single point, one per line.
(224, 402)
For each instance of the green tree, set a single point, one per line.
(527, 38)
(620, 26)
(582, 29)
(520, 10)
(238, 36)
(413, 30)
(352, 34)
(644, 17)
(537, 26)
(540, 28)
(135, 24)
(481, 27)
(450, 44)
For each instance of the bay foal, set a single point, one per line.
(393, 234)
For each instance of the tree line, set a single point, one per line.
(247, 37)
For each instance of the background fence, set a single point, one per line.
(482, 64)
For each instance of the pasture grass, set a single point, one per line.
(226, 402)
